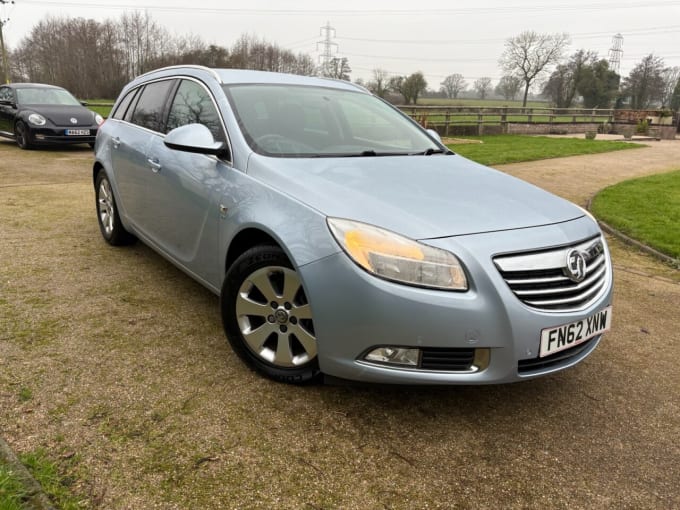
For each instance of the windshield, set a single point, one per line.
(46, 96)
(302, 121)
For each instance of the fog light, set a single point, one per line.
(394, 355)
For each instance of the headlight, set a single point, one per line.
(37, 119)
(398, 258)
(98, 119)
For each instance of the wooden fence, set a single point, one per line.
(451, 120)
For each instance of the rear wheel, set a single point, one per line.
(22, 136)
(267, 317)
(107, 213)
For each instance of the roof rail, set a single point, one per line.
(185, 66)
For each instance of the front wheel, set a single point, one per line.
(107, 213)
(22, 136)
(267, 317)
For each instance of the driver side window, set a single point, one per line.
(6, 94)
(194, 105)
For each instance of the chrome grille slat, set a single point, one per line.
(563, 290)
(565, 301)
(539, 279)
(530, 281)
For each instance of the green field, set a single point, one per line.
(501, 149)
(490, 103)
(646, 209)
(104, 111)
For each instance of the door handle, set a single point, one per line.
(154, 164)
(115, 142)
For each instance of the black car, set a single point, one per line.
(37, 114)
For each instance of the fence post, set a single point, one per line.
(480, 122)
(504, 120)
(447, 122)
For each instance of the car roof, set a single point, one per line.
(33, 86)
(246, 76)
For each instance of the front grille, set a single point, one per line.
(559, 358)
(539, 279)
(456, 360)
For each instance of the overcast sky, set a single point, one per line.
(438, 37)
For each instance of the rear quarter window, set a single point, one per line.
(119, 112)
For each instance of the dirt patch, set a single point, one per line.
(129, 371)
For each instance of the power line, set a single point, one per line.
(369, 12)
(582, 35)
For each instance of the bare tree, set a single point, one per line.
(508, 87)
(409, 87)
(337, 68)
(671, 79)
(483, 87)
(379, 85)
(645, 84)
(529, 55)
(453, 85)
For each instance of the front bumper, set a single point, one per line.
(58, 136)
(355, 312)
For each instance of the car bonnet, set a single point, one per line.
(418, 196)
(61, 115)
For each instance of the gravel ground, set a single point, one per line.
(116, 361)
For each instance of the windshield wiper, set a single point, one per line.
(371, 154)
(429, 152)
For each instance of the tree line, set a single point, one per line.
(96, 59)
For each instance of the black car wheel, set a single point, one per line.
(267, 318)
(107, 214)
(22, 136)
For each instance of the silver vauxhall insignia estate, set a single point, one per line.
(342, 238)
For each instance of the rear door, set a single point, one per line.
(135, 173)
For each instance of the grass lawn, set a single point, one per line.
(104, 111)
(500, 149)
(647, 209)
(12, 491)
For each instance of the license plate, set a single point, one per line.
(563, 337)
(77, 132)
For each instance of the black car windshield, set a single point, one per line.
(304, 121)
(46, 96)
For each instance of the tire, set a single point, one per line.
(267, 318)
(107, 213)
(22, 136)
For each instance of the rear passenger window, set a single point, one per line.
(149, 110)
(123, 105)
(194, 105)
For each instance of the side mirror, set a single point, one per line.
(434, 135)
(194, 138)
(84, 103)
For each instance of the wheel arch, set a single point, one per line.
(96, 168)
(249, 238)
